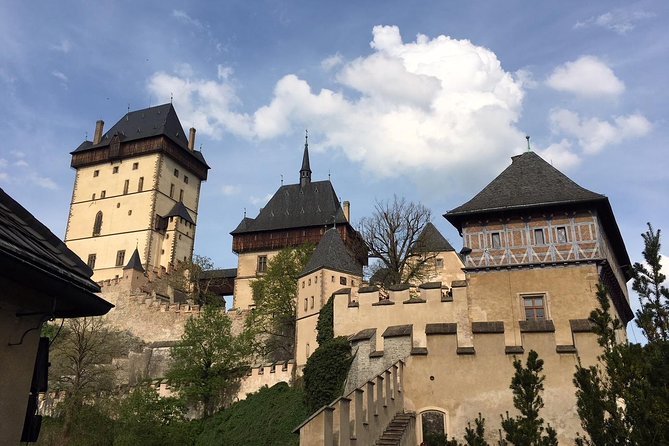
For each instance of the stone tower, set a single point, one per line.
(137, 186)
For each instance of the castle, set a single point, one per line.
(427, 357)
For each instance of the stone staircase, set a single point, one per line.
(393, 434)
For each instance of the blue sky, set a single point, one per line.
(426, 100)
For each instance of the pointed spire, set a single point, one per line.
(305, 171)
(135, 262)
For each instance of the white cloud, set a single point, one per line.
(3, 163)
(21, 163)
(4, 176)
(229, 189)
(587, 76)
(260, 201)
(525, 78)
(436, 103)
(594, 134)
(64, 46)
(619, 20)
(560, 155)
(59, 75)
(331, 62)
(43, 182)
(183, 17)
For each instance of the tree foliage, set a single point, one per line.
(325, 373)
(209, 360)
(391, 234)
(325, 324)
(272, 323)
(625, 399)
(527, 386)
(653, 317)
(193, 278)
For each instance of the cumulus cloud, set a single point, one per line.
(59, 75)
(560, 155)
(260, 201)
(432, 103)
(620, 21)
(587, 76)
(594, 134)
(229, 189)
(331, 62)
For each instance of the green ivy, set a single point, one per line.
(325, 373)
(325, 324)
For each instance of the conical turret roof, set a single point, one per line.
(331, 253)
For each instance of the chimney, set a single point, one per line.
(98, 131)
(347, 211)
(191, 139)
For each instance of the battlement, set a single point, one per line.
(262, 375)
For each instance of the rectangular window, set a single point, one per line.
(262, 264)
(534, 307)
(93, 198)
(103, 194)
(135, 166)
(539, 237)
(306, 304)
(439, 263)
(176, 173)
(342, 280)
(181, 195)
(561, 234)
(126, 186)
(185, 179)
(115, 169)
(312, 302)
(303, 284)
(140, 184)
(171, 190)
(120, 257)
(96, 173)
(91, 261)
(332, 279)
(496, 240)
(309, 282)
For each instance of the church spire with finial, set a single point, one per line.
(305, 171)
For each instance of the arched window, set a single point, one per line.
(97, 226)
(433, 423)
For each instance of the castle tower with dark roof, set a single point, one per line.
(297, 214)
(137, 188)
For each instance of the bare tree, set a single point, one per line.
(392, 234)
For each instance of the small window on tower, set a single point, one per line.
(185, 179)
(342, 280)
(126, 186)
(91, 261)
(135, 166)
(262, 264)
(115, 169)
(312, 301)
(171, 190)
(562, 234)
(120, 257)
(539, 237)
(103, 194)
(439, 263)
(96, 173)
(93, 198)
(97, 225)
(496, 240)
(534, 307)
(181, 195)
(176, 173)
(140, 184)
(306, 304)
(309, 282)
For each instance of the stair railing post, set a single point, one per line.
(328, 438)
(344, 422)
(359, 416)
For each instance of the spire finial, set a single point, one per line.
(305, 171)
(171, 97)
(282, 179)
(244, 212)
(529, 149)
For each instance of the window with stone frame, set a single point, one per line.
(433, 423)
(534, 306)
(262, 264)
(439, 263)
(97, 225)
(120, 257)
(91, 261)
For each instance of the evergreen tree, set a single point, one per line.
(527, 429)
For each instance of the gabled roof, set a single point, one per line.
(32, 256)
(331, 253)
(179, 210)
(431, 240)
(146, 123)
(295, 206)
(135, 262)
(528, 182)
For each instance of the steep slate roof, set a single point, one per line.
(528, 182)
(431, 240)
(331, 253)
(135, 262)
(532, 183)
(225, 273)
(146, 123)
(179, 210)
(31, 255)
(295, 206)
